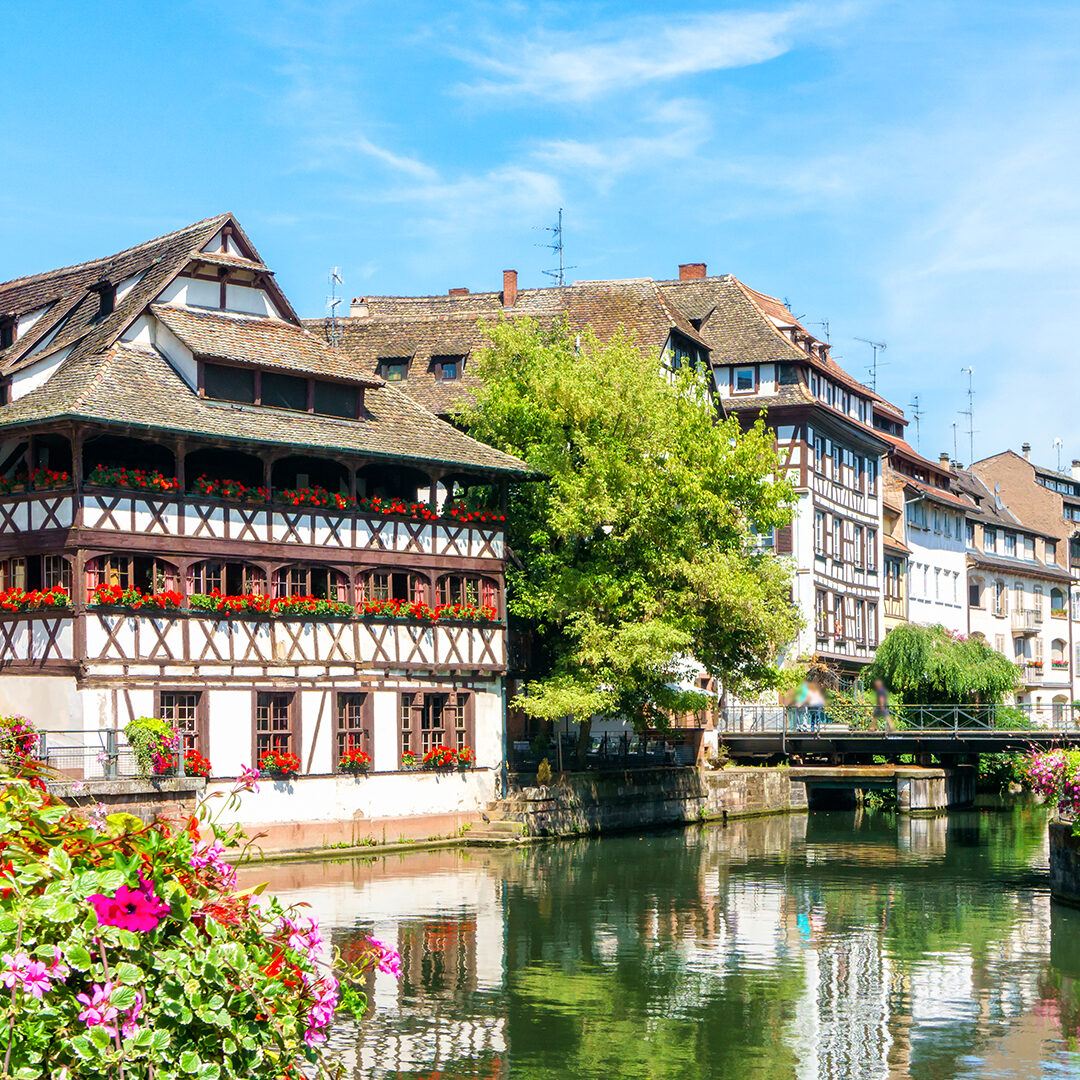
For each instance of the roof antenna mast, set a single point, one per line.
(917, 415)
(877, 346)
(332, 302)
(1058, 444)
(556, 246)
(969, 412)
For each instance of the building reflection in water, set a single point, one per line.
(820, 948)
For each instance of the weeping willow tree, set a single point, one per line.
(929, 665)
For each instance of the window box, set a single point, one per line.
(215, 603)
(1058, 613)
(279, 765)
(355, 762)
(17, 599)
(1059, 665)
(134, 599)
(137, 479)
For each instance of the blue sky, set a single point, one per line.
(905, 171)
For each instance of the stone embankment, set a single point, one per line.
(618, 801)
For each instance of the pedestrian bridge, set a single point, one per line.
(850, 733)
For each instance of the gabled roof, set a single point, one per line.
(137, 388)
(74, 315)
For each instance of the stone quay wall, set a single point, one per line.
(1064, 863)
(169, 796)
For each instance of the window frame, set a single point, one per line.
(454, 698)
(735, 370)
(202, 713)
(311, 381)
(295, 730)
(366, 719)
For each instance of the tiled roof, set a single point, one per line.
(75, 311)
(946, 498)
(892, 544)
(1026, 567)
(981, 501)
(137, 388)
(252, 340)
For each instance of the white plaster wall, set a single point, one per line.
(27, 321)
(250, 301)
(317, 718)
(948, 555)
(49, 702)
(384, 730)
(229, 735)
(140, 332)
(487, 728)
(127, 285)
(347, 798)
(30, 378)
(190, 292)
(177, 353)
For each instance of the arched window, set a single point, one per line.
(467, 589)
(299, 579)
(1059, 652)
(142, 572)
(1057, 603)
(230, 579)
(394, 585)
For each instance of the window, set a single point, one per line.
(435, 719)
(1018, 597)
(352, 724)
(55, 570)
(837, 539)
(975, 592)
(1010, 544)
(321, 582)
(859, 546)
(999, 643)
(989, 539)
(838, 464)
(1001, 598)
(745, 380)
(871, 549)
(849, 542)
(139, 571)
(337, 399)
(1038, 601)
(447, 367)
(284, 391)
(971, 534)
(384, 585)
(232, 579)
(893, 590)
(182, 709)
(276, 727)
(871, 476)
(787, 375)
(819, 454)
(394, 368)
(819, 532)
(821, 613)
(871, 625)
(937, 582)
(1050, 547)
(860, 621)
(229, 383)
(466, 589)
(1057, 603)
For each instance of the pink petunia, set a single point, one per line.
(130, 909)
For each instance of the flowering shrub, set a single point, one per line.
(229, 489)
(1053, 774)
(50, 478)
(154, 742)
(316, 496)
(279, 764)
(258, 603)
(411, 609)
(355, 761)
(143, 479)
(16, 599)
(127, 950)
(18, 740)
(135, 598)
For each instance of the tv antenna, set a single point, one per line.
(969, 412)
(824, 324)
(955, 452)
(1058, 444)
(556, 246)
(332, 302)
(877, 346)
(916, 415)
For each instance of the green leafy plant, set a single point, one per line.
(154, 744)
(543, 772)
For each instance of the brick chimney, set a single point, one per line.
(943, 458)
(1075, 469)
(359, 306)
(458, 292)
(1026, 451)
(509, 293)
(691, 271)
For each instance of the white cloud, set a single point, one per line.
(580, 66)
(334, 146)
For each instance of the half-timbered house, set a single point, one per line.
(170, 434)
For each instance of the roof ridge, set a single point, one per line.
(114, 255)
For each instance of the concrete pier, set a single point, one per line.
(918, 791)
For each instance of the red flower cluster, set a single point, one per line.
(377, 505)
(134, 598)
(230, 489)
(280, 764)
(195, 764)
(406, 609)
(133, 478)
(355, 761)
(258, 603)
(465, 757)
(460, 513)
(443, 757)
(50, 478)
(316, 496)
(16, 599)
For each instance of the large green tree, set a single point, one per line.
(928, 665)
(637, 550)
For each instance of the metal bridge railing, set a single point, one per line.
(103, 754)
(857, 716)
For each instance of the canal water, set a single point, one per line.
(834, 946)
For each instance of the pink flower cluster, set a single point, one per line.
(99, 1011)
(1055, 775)
(130, 909)
(33, 977)
(389, 959)
(211, 857)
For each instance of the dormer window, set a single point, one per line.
(106, 291)
(9, 325)
(447, 367)
(394, 368)
(745, 380)
(278, 390)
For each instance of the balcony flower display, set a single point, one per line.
(17, 599)
(260, 604)
(41, 479)
(229, 489)
(443, 757)
(378, 505)
(315, 496)
(134, 598)
(140, 479)
(17, 482)
(461, 513)
(355, 761)
(279, 764)
(406, 609)
(154, 742)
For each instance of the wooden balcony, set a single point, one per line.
(1026, 623)
(193, 643)
(180, 517)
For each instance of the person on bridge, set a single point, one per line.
(882, 719)
(815, 700)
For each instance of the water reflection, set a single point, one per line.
(827, 947)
